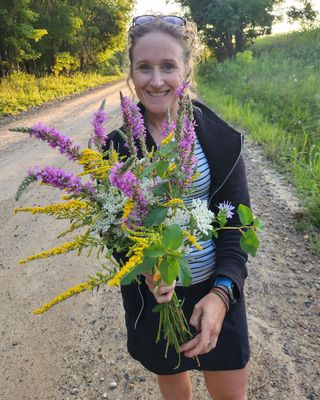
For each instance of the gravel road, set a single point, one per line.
(78, 349)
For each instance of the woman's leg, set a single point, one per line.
(175, 387)
(227, 385)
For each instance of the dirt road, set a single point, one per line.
(78, 350)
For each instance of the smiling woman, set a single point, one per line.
(162, 52)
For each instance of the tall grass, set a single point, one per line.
(276, 96)
(20, 91)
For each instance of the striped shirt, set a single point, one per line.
(201, 262)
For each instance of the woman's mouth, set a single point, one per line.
(158, 94)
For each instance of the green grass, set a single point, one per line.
(20, 91)
(275, 95)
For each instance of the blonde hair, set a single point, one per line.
(186, 36)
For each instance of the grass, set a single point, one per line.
(273, 91)
(20, 91)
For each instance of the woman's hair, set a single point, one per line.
(186, 35)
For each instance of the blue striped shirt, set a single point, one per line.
(201, 262)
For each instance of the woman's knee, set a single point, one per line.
(175, 387)
(227, 385)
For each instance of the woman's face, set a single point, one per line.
(157, 71)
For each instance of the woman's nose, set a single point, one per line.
(157, 79)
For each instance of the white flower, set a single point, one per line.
(202, 215)
(227, 207)
(181, 217)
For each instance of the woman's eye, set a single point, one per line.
(168, 67)
(144, 67)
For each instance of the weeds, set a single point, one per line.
(275, 95)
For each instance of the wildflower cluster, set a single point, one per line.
(134, 206)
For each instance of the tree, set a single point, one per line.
(17, 35)
(228, 26)
(305, 15)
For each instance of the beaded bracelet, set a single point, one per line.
(223, 296)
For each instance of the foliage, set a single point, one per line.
(230, 26)
(34, 32)
(276, 98)
(65, 63)
(20, 91)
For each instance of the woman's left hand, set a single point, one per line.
(207, 317)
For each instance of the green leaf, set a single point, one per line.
(167, 148)
(147, 264)
(249, 242)
(157, 308)
(155, 250)
(160, 189)
(245, 214)
(222, 218)
(162, 167)
(215, 233)
(156, 216)
(258, 224)
(185, 275)
(148, 170)
(172, 237)
(169, 269)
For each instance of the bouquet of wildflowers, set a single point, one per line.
(134, 206)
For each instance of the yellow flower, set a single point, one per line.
(171, 168)
(174, 202)
(167, 139)
(127, 208)
(58, 209)
(62, 249)
(133, 261)
(70, 292)
(93, 163)
(192, 239)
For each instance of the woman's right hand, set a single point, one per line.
(162, 292)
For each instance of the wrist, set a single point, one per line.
(222, 295)
(227, 285)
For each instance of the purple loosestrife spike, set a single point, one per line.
(167, 126)
(60, 179)
(133, 120)
(100, 135)
(181, 89)
(125, 181)
(56, 139)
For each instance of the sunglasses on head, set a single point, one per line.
(148, 19)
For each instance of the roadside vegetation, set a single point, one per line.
(20, 91)
(272, 90)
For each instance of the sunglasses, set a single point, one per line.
(148, 19)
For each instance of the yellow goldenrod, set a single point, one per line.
(62, 249)
(133, 261)
(192, 239)
(171, 168)
(174, 202)
(167, 139)
(70, 292)
(58, 209)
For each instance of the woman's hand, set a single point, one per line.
(162, 292)
(207, 317)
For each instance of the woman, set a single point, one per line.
(160, 53)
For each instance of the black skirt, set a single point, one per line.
(232, 350)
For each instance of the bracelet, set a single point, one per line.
(223, 296)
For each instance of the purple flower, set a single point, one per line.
(226, 207)
(124, 181)
(188, 160)
(133, 118)
(181, 89)
(56, 139)
(60, 179)
(100, 136)
(167, 128)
